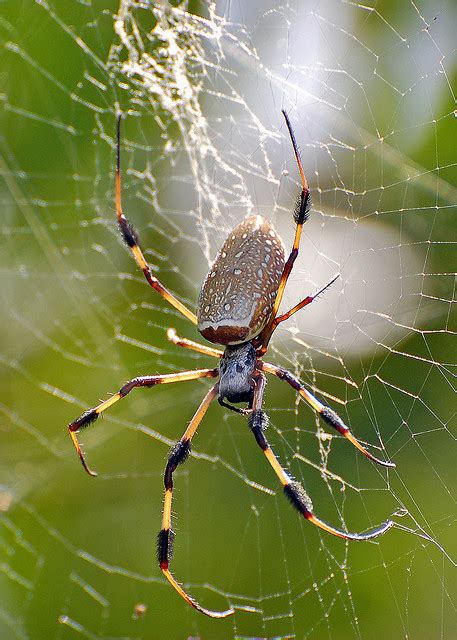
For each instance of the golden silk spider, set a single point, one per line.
(252, 266)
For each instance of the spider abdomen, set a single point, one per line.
(238, 294)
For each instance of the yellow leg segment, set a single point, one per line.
(294, 491)
(131, 239)
(195, 346)
(91, 415)
(327, 414)
(178, 455)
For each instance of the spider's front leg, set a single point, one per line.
(258, 422)
(179, 454)
(327, 414)
(89, 416)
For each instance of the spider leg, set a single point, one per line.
(89, 416)
(244, 412)
(302, 303)
(195, 346)
(178, 454)
(327, 414)
(131, 238)
(258, 422)
(300, 216)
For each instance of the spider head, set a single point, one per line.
(236, 371)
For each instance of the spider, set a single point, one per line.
(237, 308)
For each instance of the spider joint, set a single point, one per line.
(332, 418)
(84, 420)
(165, 539)
(302, 207)
(258, 422)
(128, 233)
(299, 498)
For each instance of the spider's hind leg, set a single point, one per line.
(131, 239)
(301, 214)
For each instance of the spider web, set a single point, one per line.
(368, 88)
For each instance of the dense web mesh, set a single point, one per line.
(368, 89)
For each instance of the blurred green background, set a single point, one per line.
(374, 92)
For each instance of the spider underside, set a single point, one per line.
(241, 371)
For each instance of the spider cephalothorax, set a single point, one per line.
(237, 308)
(236, 372)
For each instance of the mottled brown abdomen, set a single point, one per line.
(238, 294)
